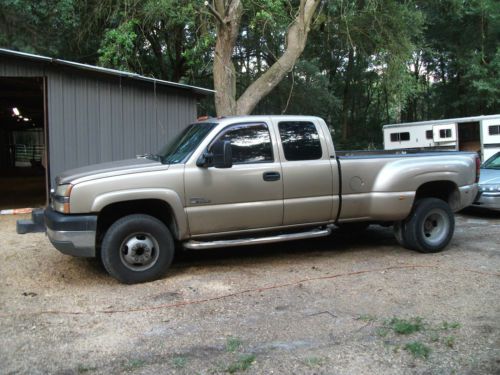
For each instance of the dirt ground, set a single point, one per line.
(346, 304)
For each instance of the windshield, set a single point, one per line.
(493, 162)
(180, 148)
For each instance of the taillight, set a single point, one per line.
(478, 168)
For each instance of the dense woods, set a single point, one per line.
(357, 63)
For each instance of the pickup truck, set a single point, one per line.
(251, 180)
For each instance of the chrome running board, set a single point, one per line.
(201, 245)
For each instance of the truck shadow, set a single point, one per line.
(338, 242)
(476, 212)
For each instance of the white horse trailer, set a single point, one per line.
(480, 134)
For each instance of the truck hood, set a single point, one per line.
(489, 176)
(114, 168)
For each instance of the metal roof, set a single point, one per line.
(444, 121)
(98, 69)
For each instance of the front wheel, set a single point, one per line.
(430, 226)
(137, 248)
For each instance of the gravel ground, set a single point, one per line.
(329, 306)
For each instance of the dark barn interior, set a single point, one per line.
(22, 142)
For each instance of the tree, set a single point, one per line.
(228, 14)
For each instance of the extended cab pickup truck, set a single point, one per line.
(251, 180)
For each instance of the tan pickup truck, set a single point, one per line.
(251, 180)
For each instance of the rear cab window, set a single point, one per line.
(300, 140)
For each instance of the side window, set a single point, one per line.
(398, 137)
(445, 133)
(428, 134)
(494, 130)
(300, 140)
(250, 143)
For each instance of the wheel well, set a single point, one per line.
(444, 190)
(154, 207)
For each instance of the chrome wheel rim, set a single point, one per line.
(139, 251)
(435, 227)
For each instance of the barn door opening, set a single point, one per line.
(23, 176)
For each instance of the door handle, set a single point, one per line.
(271, 176)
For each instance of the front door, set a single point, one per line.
(247, 196)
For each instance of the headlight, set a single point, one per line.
(64, 190)
(489, 188)
(60, 199)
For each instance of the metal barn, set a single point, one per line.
(56, 115)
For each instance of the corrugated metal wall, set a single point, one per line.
(94, 118)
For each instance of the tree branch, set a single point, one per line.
(215, 13)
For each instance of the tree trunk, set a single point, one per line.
(228, 14)
(228, 25)
(346, 100)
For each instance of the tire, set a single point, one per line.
(137, 248)
(430, 226)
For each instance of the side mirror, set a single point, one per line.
(222, 154)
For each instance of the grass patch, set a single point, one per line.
(233, 344)
(449, 341)
(84, 369)
(446, 326)
(404, 326)
(179, 362)
(242, 364)
(418, 350)
(434, 337)
(134, 364)
(382, 331)
(367, 318)
(314, 361)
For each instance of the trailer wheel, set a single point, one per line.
(430, 226)
(137, 248)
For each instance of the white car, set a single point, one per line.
(489, 184)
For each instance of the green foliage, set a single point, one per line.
(134, 364)
(449, 341)
(118, 46)
(242, 364)
(179, 362)
(418, 350)
(445, 326)
(406, 326)
(233, 344)
(312, 362)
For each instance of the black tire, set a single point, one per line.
(137, 248)
(430, 226)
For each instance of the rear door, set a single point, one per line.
(247, 196)
(307, 171)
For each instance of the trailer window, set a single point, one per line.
(398, 137)
(428, 134)
(445, 133)
(494, 129)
